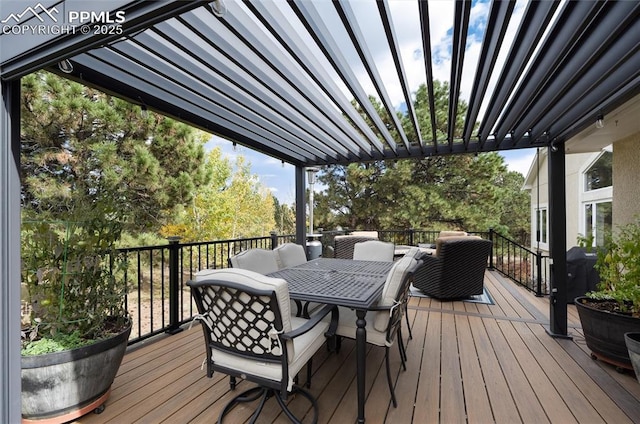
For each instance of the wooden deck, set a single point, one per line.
(467, 362)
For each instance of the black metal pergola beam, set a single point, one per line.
(271, 57)
(258, 88)
(148, 51)
(588, 70)
(423, 7)
(322, 36)
(385, 16)
(168, 102)
(139, 15)
(574, 18)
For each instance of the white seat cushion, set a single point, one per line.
(391, 286)
(259, 260)
(373, 250)
(305, 346)
(347, 326)
(290, 254)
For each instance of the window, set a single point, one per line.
(596, 198)
(600, 173)
(597, 219)
(541, 226)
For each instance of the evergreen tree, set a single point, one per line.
(81, 148)
(468, 192)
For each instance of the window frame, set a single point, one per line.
(592, 197)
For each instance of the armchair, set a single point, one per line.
(386, 323)
(457, 268)
(250, 334)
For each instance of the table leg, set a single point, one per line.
(361, 357)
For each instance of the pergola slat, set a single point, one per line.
(532, 27)
(349, 20)
(313, 22)
(499, 18)
(460, 26)
(290, 40)
(385, 15)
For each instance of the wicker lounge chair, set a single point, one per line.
(457, 268)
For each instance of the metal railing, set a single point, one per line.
(524, 266)
(159, 299)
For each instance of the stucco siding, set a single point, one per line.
(626, 180)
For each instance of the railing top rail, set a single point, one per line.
(500, 236)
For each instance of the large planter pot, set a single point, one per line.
(633, 346)
(59, 387)
(604, 333)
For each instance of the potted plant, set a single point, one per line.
(75, 325)
(612, 310)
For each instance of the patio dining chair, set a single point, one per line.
(374, 250)
(250, 334)
(385, 324)
(262, 261)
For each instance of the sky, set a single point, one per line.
(280, 179)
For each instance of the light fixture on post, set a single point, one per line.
(218, 8)
(600, 122)
(311, 180)
(65, 66)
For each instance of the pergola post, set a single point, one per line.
(301, 227)
(557, 241)
(10, 387)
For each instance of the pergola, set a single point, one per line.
(293, 80)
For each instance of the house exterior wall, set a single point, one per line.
(539, 197)
(575, 166)
(626, 180)
(539, 189)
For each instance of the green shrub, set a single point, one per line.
(68, 269)
(619, 267)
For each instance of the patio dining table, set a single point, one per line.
(344, 282)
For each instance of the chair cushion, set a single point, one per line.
(390, 290)
(450, 233)
(290, 254)
(441, 240)
(347, 326)
(372, 234)
(304, 347)
(373, 250)
(259, 260)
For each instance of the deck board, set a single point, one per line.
(467, 363)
